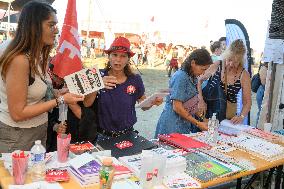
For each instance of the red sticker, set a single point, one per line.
(149, 176)
(94, 70)
(155, 172)
(130, 89)
(124, 144)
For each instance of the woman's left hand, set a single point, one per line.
(158, 101)
(237, 119)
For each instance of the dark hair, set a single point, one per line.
(28, 38)
(215, 45)
(222, 39)
(127, 69)
(200, 56)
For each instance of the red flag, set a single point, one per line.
(68, 57)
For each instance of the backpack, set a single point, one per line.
(255, 82)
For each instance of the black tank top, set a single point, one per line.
(232, 89)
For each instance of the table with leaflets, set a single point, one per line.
(260, 165)
(6, 179)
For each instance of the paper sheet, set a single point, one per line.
(148, 101)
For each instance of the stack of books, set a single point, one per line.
(174, 162)
(258, 147)
(85, 170)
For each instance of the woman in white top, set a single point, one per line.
(23, 109)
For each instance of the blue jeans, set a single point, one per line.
(259, 98)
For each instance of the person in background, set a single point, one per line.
(167, 61)
(80, 121)
(23, 86)
(216, 50)
(181, 103)
(93, 49)
(260, 91)
(223, 43)
(174, 61)
(123, 89)
(233, 77)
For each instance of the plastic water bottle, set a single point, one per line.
(215, 125)
(38, 161)
(106, 174)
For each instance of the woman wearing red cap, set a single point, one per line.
(123, 88)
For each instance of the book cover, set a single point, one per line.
(89, 169)
(182, 141)
(81, 147)
(205, 168)
(120, 146)
(56, 175)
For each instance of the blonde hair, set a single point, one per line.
(236, 50)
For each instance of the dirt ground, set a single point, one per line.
(154, 79)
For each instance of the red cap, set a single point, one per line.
(120, 44)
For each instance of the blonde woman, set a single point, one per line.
(232, 77)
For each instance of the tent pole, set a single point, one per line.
(8, 29)
(269, 119)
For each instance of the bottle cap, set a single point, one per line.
(38, 142)
(107, 161)
(214, 116)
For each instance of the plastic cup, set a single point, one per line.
(20, 167)
(63, 142)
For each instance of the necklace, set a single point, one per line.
(235, 73)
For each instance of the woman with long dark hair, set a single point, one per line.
(181, 103)
(23, 65)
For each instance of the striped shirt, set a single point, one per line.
(232, 89)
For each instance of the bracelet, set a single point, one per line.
(242, 116)
(197, 122)
(59, 100)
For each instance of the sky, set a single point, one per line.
(195, 21)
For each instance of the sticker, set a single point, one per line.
(124, 144)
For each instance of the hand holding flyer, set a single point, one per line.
(85, 81)
(148, 102)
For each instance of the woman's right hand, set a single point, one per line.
(110, 82)
(203, 126)
(70, 98)
(62, 128)
(202, 107)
